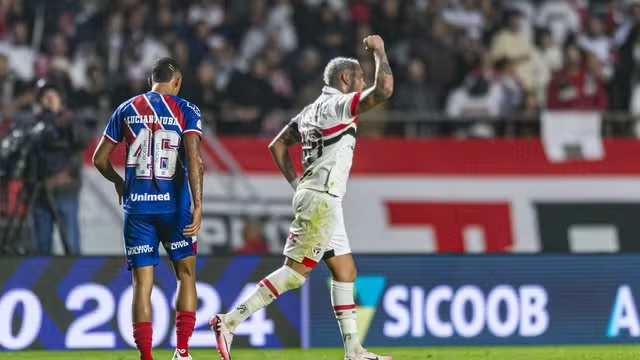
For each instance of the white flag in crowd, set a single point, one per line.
(572, 135)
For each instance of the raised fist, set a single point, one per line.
(373, 42)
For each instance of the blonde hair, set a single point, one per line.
(336, 66)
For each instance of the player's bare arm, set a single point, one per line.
(382, 88)
(279, 149)
(195, 170)
(103, 164)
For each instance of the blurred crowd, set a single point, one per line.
(248, 64)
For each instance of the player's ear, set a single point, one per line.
(149, 81)
(346, 78)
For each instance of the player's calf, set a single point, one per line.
(185, 322)
(186, 303)
(344, 308)
(142, 314)
(269, 289)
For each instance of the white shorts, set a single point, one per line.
(318, 227)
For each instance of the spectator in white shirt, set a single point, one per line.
(597, 42)
(22, 57)
(560, 17)
(211, 12)
(467, 17)
(479, 98)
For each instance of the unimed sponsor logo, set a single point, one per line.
(141, 249)
(151, 197)
(467, 311)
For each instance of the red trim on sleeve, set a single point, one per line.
(354, 104)
(110, 139)
(198, 132)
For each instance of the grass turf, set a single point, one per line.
(617, 352)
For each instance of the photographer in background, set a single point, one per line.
(58, 160)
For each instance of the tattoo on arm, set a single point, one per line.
(195, 168)
(386, 68)
(288, 170)
(379, 92)
(197, 183)
(279, 149)
(200, 182)
(289, 137)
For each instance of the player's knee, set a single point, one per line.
(345, 275)
(294, 278)
(185, 269)
(298, 267)
(186, 274)
(142, 278)
(278, 282)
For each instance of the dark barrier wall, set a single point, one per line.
(492, 300)
(73, 303)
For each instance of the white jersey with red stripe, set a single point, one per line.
(328, 128)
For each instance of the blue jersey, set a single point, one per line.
(153, 124)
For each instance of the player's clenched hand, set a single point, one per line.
(373, 43)
(191, 230)
(119, 185)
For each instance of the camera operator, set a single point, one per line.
(58, 163)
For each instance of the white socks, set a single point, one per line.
(285, 279)
(278, 282)
(344, 308)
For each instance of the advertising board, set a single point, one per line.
(486, 300)
(85, 303)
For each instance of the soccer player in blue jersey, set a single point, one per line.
(162, 133)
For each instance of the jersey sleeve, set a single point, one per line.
(193, 120)
(114, 132)
(295, 123)
(347, 106)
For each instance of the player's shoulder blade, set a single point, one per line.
(127, 102)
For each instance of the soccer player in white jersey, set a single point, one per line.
(326, 129)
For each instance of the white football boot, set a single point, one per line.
(363, 354)
(224, 336)
(177, 356)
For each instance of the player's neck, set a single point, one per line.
(343, 88)
(162, 89)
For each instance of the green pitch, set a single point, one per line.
(614, 352)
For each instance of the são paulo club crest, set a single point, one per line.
(316, 249)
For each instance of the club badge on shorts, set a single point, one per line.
(316, 249)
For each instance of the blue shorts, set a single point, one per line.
(143, 234)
